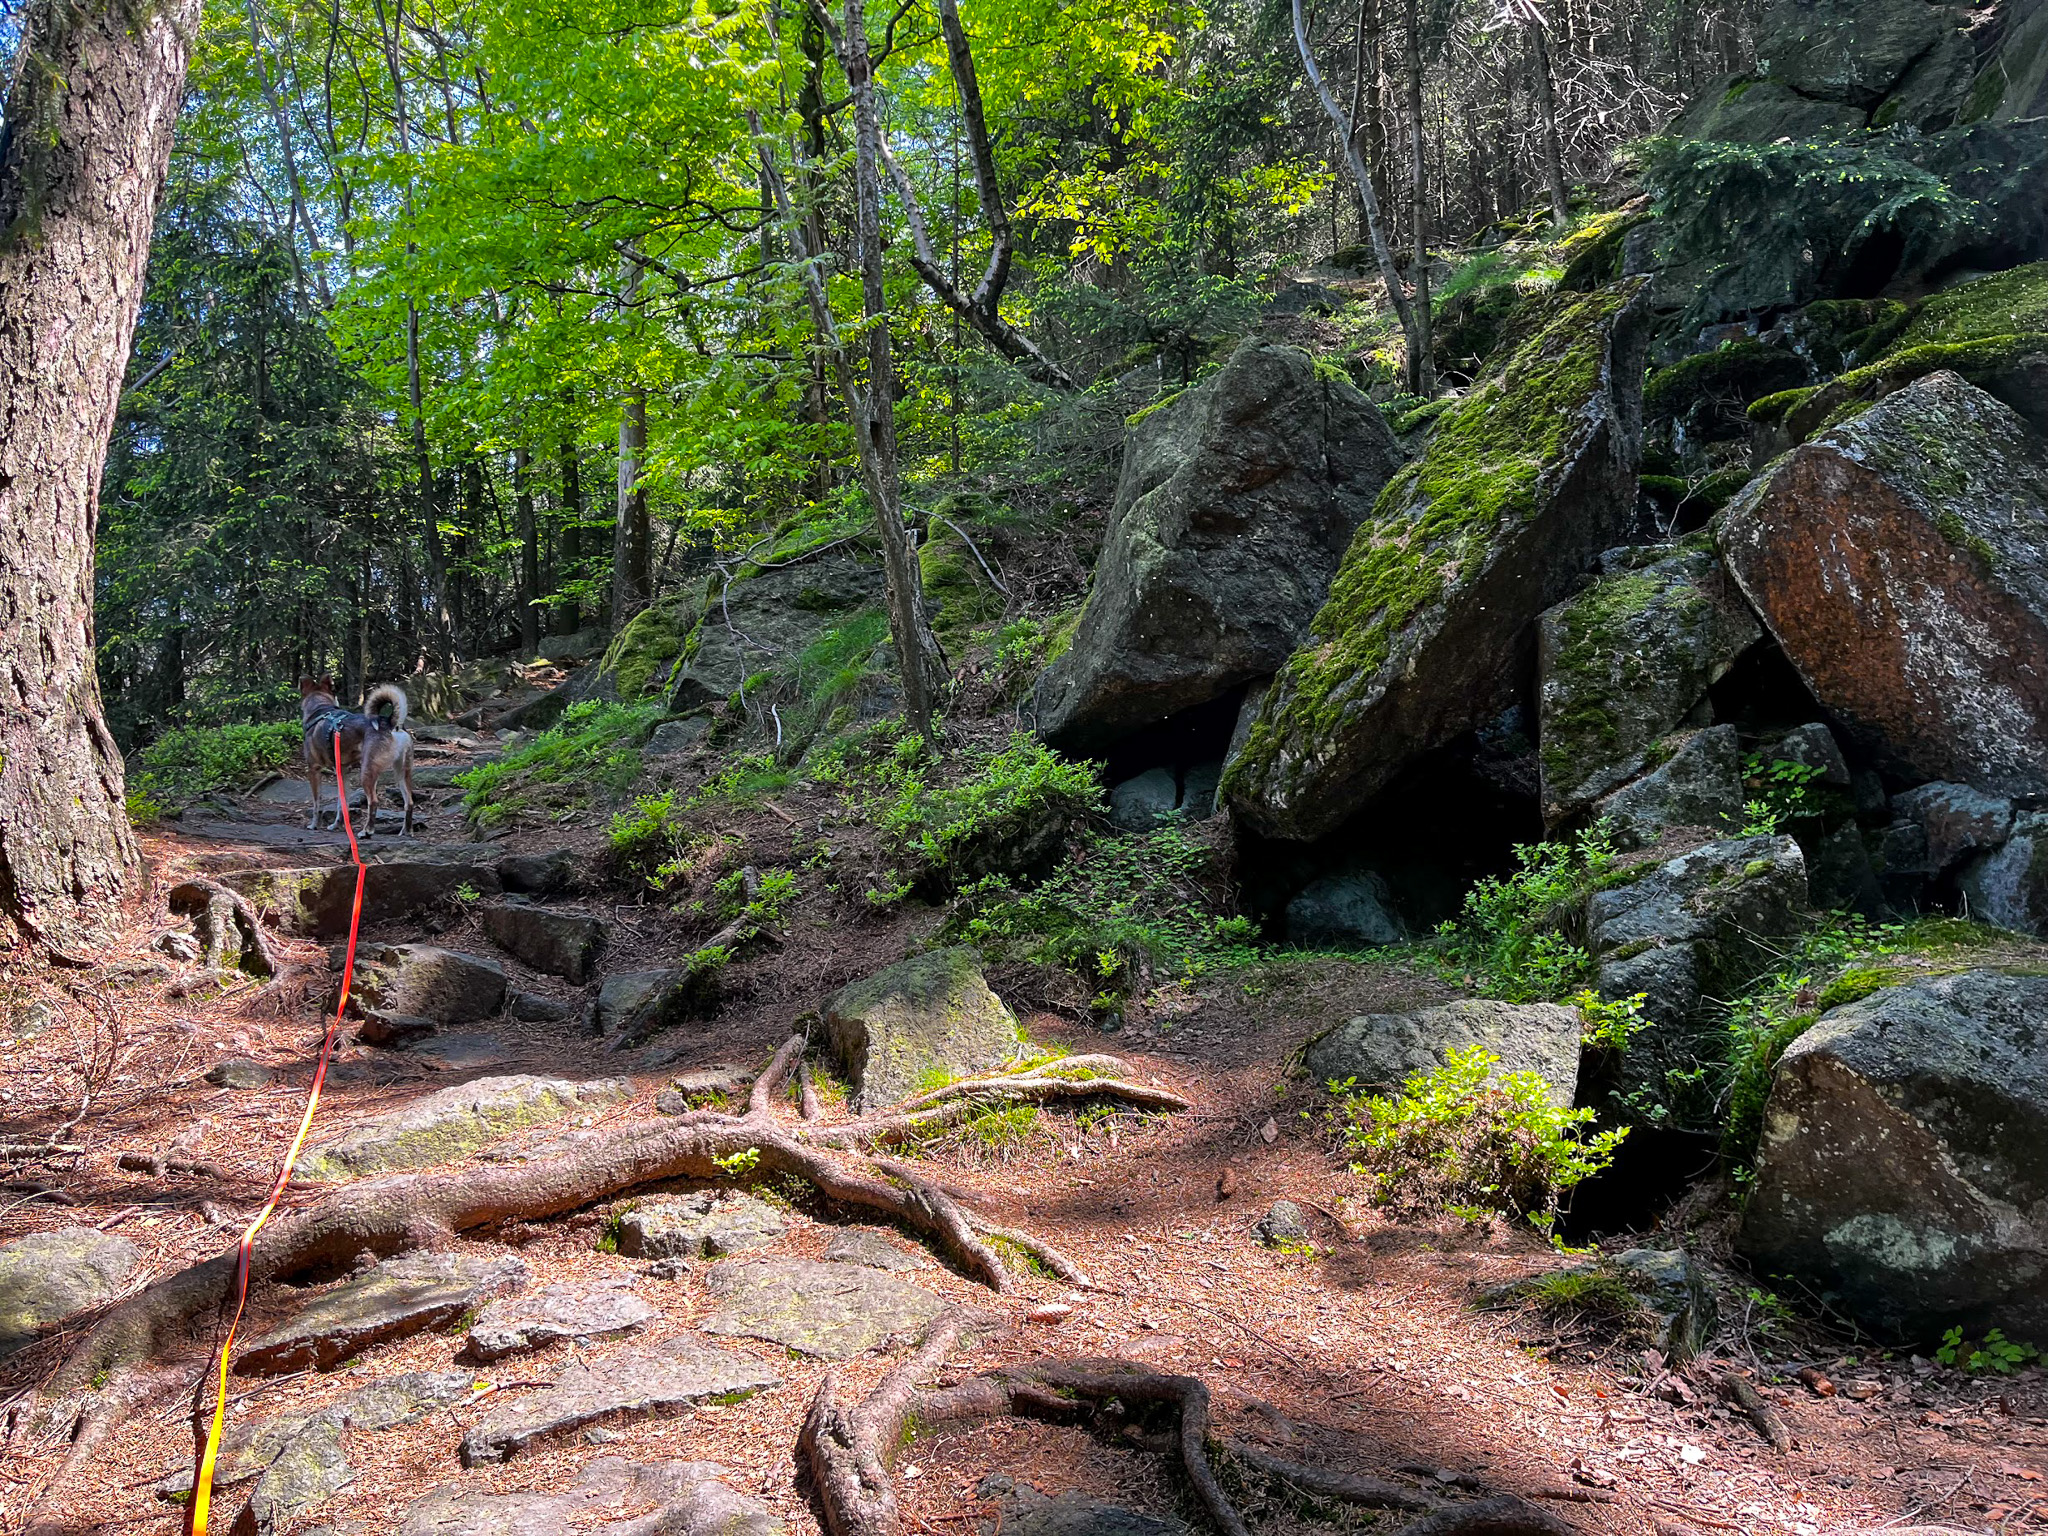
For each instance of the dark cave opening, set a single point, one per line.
(1652, 1168)
(1196, 735)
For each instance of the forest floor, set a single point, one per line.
(1364, 1351)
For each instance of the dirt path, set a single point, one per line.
(1363, 1352)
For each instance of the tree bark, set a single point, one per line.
(83, 152)
(1421, 354)
(569, 542)
(630, 581)
(529, 555)
(1546, 111)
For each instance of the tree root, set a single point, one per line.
(157, 1165)
(1768, 1421)
(230, 934)
(976, 1096)
(390, 1215)
(848, 1445)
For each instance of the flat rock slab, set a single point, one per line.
(714, 1086)
(398, 1298)
(708, 1224)
(860, 1246)
(1380, 1051)
(427, 982)
(564, 944)
(316, 903)
(47, 1276)
(515, 1324)
(1033, 1513)
(662, 1380)
(451, 1053)
(673, 1498)
(451, 1123)
(831, 1311)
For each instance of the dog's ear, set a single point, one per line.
(327, 685)
(306, 685)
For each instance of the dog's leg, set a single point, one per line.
(371, 770)
(313, 783)
(405, 781)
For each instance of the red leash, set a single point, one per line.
(206, 1450)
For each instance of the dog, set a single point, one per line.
(374, 740)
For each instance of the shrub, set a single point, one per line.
(745, 781)
(594, 746)
(1522, 937)
(1461, 1136)
(198, 759)
(1009, 813)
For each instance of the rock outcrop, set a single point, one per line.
(422, 981)
(46, 1277)
(514, 1324)
(1901, 561)
(764, 618)
(827, 1311)
(1625, 663)
(1698, 785)
(1904, 1159)
(708, 1224)
(932, 1014)
(1381, 1051)
(450, 1123)
(1237, 500)
(395, 1300)
(675, 1498)
(564, 944)
(1524, 481)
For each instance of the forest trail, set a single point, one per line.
(1352, 1345)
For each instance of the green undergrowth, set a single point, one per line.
(1522, 936)
(195, 760)
(593, 749)
(1467, 1140)
(1434, 523)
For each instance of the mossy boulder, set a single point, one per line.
(769, 619)
(46, 1277)
(1901, 562)
(2013, 82)
(1236, 503)
(1431, 616)
(450, 1123)
(1851, 51)
(1624, 663)
(641, 654)
(927, 1019)
(1903, 1167)
(1705, 398)
(957, 590)
(1741, 109)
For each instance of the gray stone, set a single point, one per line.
(1904, 1161)
(2010, 887)
(29, 1020)
(423, 981)
(1930, 93)
(46, 1277)
(719, 1084)
(633, 1005)
(708, 1224)
(309, 1469)
(1139, 804)
(532, 1008)
(564, 944)
(395, 1300)
(931, 1013)
(1624, 664)
(1675, 1291)
(1850, 51)
(658, 1380)
(455, 1053)
(450, 1123)
(1900, 561)
(1814, 746)
(1348, 911)
(679, 1498)
(394, 1031)
(830, 1311)
(1285, 1223)
(1381, 1051)
(1427, 622)
(1839, 873)
(1074, 1514)
(316, 903)
(239, 1072)
(768, 618)
(1691, 928)
(1237, 500)
(1701, 786)
(858, 1245)
(516, 1324)
(1741, 109)
(674, 736)
(1957, 820)
(1198, 790)
(538, 874)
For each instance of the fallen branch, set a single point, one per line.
(1769, 1423)
(156, 1165)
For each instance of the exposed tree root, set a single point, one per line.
(1769, 1423)
(976, 1096)
(406, 1211)
(848, 1445)
(230, 934)
(157, 1165)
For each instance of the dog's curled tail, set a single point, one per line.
(386, 699)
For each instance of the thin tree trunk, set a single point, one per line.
(302, 214)
(1421, 359)
(83, 152)
(631, 587)
(1546, 112)
(529, 555)
(569, 542)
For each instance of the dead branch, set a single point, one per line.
(156, 1165)
(1769, 1423)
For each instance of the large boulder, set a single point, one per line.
(1352, 910)
(1904, 1160)
(2013, 82)
(317, 903)
(450, 1123)
(423, 981)
(1680, 933)
(765, 618)
(564, 944)
(1237, 500)
(2009, 885)
(1698, 785)
(46, 1277)
(932, 1015)
(1901, 561)
(1625, 663)
(1429, 620)
(1378, 1052)
(1852, 51)
(1741, 109)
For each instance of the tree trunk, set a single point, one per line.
(83, 151)
(529, 555)
(1421, 354)
(569, 542)
(1546, 112)
(631, 586)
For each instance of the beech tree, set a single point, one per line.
(84, 146)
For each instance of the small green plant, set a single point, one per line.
(999, 813)
(593, 747)
(199, 759)
(740, 1163)
(144, 807)
(467, 893)
(745, 781)
(1461, 1135)
(1593, 1294)
(764, 905)
(647, 834)
(1610, 1026)
(1522, 936)
(1786, 792)
(1997, 1353)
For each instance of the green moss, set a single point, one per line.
(1407, 421)
(1591, 255)
(1957, 532)
(2003, 305)
(1740, 370)
(1598, 629)
(1059, 635)
(955, 585)
(1853, 986)
(1434, 522)
(1157, 405)
(1775, 408)
(1717, 490)
(1668, 490)
(1975, 360)
(647, 646)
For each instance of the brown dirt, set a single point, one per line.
(1365, 1355)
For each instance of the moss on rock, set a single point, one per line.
(642, 652)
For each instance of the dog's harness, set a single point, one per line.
(329, 721)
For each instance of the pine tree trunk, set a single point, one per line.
(631, 584)
(569, 542)
(83, 152)
(529, 555)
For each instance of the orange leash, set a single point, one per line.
(208, 1450)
